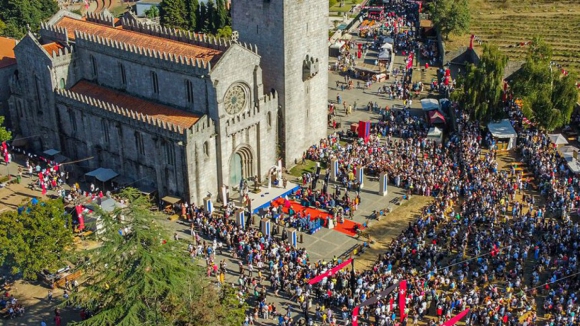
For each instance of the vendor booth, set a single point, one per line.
(334, 49)
(558, 140)
(504, 135)
(570, 153)
(378, 78)
(435, 117)
(435, 134)
(377, 13)
(102, 174)
(429, 104)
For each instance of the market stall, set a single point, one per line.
(435, 134)
(429, 104)
(503, 134)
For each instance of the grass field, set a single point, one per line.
(347, 6)
(510, 22)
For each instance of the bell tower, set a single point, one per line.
(292, 40)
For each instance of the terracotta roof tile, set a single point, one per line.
(7, 57)
(50, 47)
(154, 110)
(139, 39)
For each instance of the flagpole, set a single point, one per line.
(352, 280)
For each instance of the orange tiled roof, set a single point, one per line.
(50, 47)
(7, 57)
(157, 111)
(139, 39)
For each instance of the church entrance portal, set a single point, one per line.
(241, 166)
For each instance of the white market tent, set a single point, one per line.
(102, 174)
(387, 46)
(435, 134)
(504, 133)
(558, 139)
(429, 104)
(570, 153)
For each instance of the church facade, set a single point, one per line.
(184, 114)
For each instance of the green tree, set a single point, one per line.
(192, 14)
(35, 239)
(2, 27)
(213, 17)
(222, 14)
(140, 278)
(225, 32)
(203, 20)
(450, 16)
(332, 3)
(18, 15)
(152, 12)
(481, 86)
(5, 135)
(173, 13)
(549, 96)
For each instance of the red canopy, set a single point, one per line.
(435, 117)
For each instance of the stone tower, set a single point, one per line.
(292, 40)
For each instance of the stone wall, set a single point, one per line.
(36, 117)
(286, 32)
(5, 74)
(254, 128)
(171, 74)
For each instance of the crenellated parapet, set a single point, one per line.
(183, 36)
(51, 33)
(103, 18)
(270, 99)
(114, 48)
(63, 56)
(310, 67)
(127, 116)
(204, 126)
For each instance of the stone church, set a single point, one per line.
(182, 113)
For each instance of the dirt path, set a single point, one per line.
(389, 227)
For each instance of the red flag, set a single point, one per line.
(79, 210)
(402, 298)
(455, 319)
(494, 251)
(391, 301)
(330, 272)
(355, 316)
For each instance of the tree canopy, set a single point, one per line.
(5, 134)
(481, 86)
(210, 17)
(450, 16)
(549, 96)
(140, 278)
(36, 238)
(18, 15)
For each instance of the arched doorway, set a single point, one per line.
(241, 165)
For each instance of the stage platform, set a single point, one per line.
(266, 196)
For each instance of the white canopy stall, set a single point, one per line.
(435, 134)
(570, 153)
(504, 134)
(558, 139)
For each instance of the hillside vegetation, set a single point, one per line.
(512, 23)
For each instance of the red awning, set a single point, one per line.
(436, 117)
